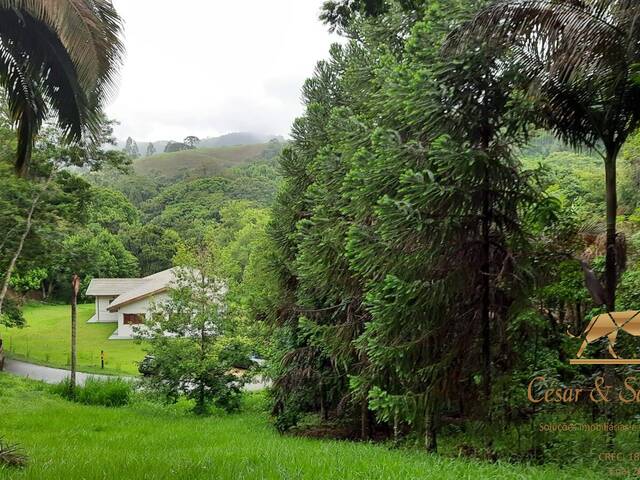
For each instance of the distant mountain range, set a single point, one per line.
(228, 140)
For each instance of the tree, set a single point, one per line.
(191, 141)
(151, 150)
(580, 60)
(190, 344)
(401, 230)
(175, 147)
(75, 290)
(131, 148)
(96, 252)
(51, 159)
(152, 245)
(111, 210)
(57, 56)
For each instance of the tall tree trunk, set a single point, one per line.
(486, 294)
(364, 420)
(75, 288)
(612, 211)
(430, 432)
(50, 288)
(323, 409)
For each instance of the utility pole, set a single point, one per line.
(75, 289)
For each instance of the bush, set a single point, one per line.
(287, 419)
(108, 393)
(11, 455)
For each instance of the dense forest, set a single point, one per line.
(441, 226)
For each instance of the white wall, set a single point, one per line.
(143, 306)
(102, 314)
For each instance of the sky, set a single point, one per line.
(210, 67)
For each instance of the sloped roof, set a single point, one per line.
(151, 285)
(113, 286)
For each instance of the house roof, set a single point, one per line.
(151, 285)
(113, 286)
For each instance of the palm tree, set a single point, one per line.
(58, 56)
(580, 59)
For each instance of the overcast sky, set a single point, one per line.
(209, 67)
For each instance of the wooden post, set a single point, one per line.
(75, 289)
(102, 359)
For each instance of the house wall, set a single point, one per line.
(143, 306)
(102, 314)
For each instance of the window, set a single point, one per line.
(133, 318)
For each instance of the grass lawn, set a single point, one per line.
(145, 441)
(46, 340)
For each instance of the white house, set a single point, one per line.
(128, 301)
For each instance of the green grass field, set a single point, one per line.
(202, 161)
(146, 441)
(46, 340)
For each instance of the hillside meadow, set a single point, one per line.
(147, 441)
(201, 161)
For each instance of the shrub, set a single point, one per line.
(11, 455)
(114, 392)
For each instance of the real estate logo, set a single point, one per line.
(609, 325)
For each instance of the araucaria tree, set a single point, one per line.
(189, 344)
(579, 60)
(191, 141)
(401, 232)
(61, 57)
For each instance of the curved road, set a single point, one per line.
(46, 374)
(56, 375)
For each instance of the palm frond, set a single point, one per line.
(61, 55)
(577, 56)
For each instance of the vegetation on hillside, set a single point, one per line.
(224, 446)
(460, 192)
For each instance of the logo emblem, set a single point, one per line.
(609, 325)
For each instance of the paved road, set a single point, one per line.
(56, 375)
(46, 374)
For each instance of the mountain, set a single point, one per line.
(204, 162)
(227, 140)
(237, 138)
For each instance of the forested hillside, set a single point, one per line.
(132, 220)
(203, 162)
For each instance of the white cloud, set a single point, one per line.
(208, 67)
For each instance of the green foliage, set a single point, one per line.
(30, 280)
(111, 210)
(96, 252)
(153, 246)
(190, 340)
(114, 392)
(48, 69)
(182, 162)
(12, 316)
